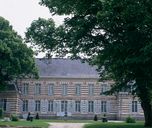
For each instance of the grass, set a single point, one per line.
(115, 125)
(92, 124)
(34, 123)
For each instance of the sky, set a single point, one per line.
(21, 13)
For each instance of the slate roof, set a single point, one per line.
(57, 67)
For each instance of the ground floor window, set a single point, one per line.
(64, 106)
(50, 106)
(3, 104)
(77, 106)
(25, 105)
(90, 106)
(37, 105)
(103, 106)
(134, 106)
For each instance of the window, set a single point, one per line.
(51, 89)
(104, 88)
(78, 89)
(64, 89)
(25, 105)
(50, 106)
(3, 104)
(25, 89)
(64, 106)
(103, 106)
(91, 89)
(38, 89)
(77, 106)
(90, 106)
(37, 105)
(134, 106)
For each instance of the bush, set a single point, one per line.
(1, 113)
(37, 116)
(95, 118)
(14, 118)
(130, 120)
(28, 116)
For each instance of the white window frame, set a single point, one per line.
(50, 106)
(3, 104)
(64, 89)
(91, 89)
(64, 106)
(37, 105)
(90, 106)
(25, 89)
(77, 106)
(37, 89)
(51, 89)
(78, 89)
(25, 105)
(103, 106)
(104, 88)
(134, 106)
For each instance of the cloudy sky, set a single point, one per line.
(21, 13)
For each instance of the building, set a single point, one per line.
(68, 87)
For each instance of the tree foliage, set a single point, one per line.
(116, 34)
(16, 60)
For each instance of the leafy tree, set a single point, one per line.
(116, 34)
(16, 59)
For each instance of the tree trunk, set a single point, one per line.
(144, 93)
(147, 108)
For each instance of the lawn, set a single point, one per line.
(92, 124)
(34, 123)
(115, 125)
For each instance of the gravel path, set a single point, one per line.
(66, 125)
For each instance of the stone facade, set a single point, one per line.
(73, 89)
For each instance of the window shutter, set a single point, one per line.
(86, 106)
(20, 106)
(130, 106)
(58, 106)
(139, 108)
(95, 107)
(46, 105)
(108, 107)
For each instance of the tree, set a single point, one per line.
(116, 34)
(16, 59)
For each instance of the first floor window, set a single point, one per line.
(64, 106)
(91, 89)
(25, 89)
(77, 106)
(25, 105)
(37, 105)
(90, 106)
(103, 106)
(78, 89)
(134, 106)
(37, 89)
(64, 89)
(50, 106)
(51, 89)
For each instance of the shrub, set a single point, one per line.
(14, 117)
(1, 113)
(28, 116)
(95, 118)
(130, 120)
(37, 116)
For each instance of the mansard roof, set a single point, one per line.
(61, 67)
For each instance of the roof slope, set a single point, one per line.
(57, 67)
